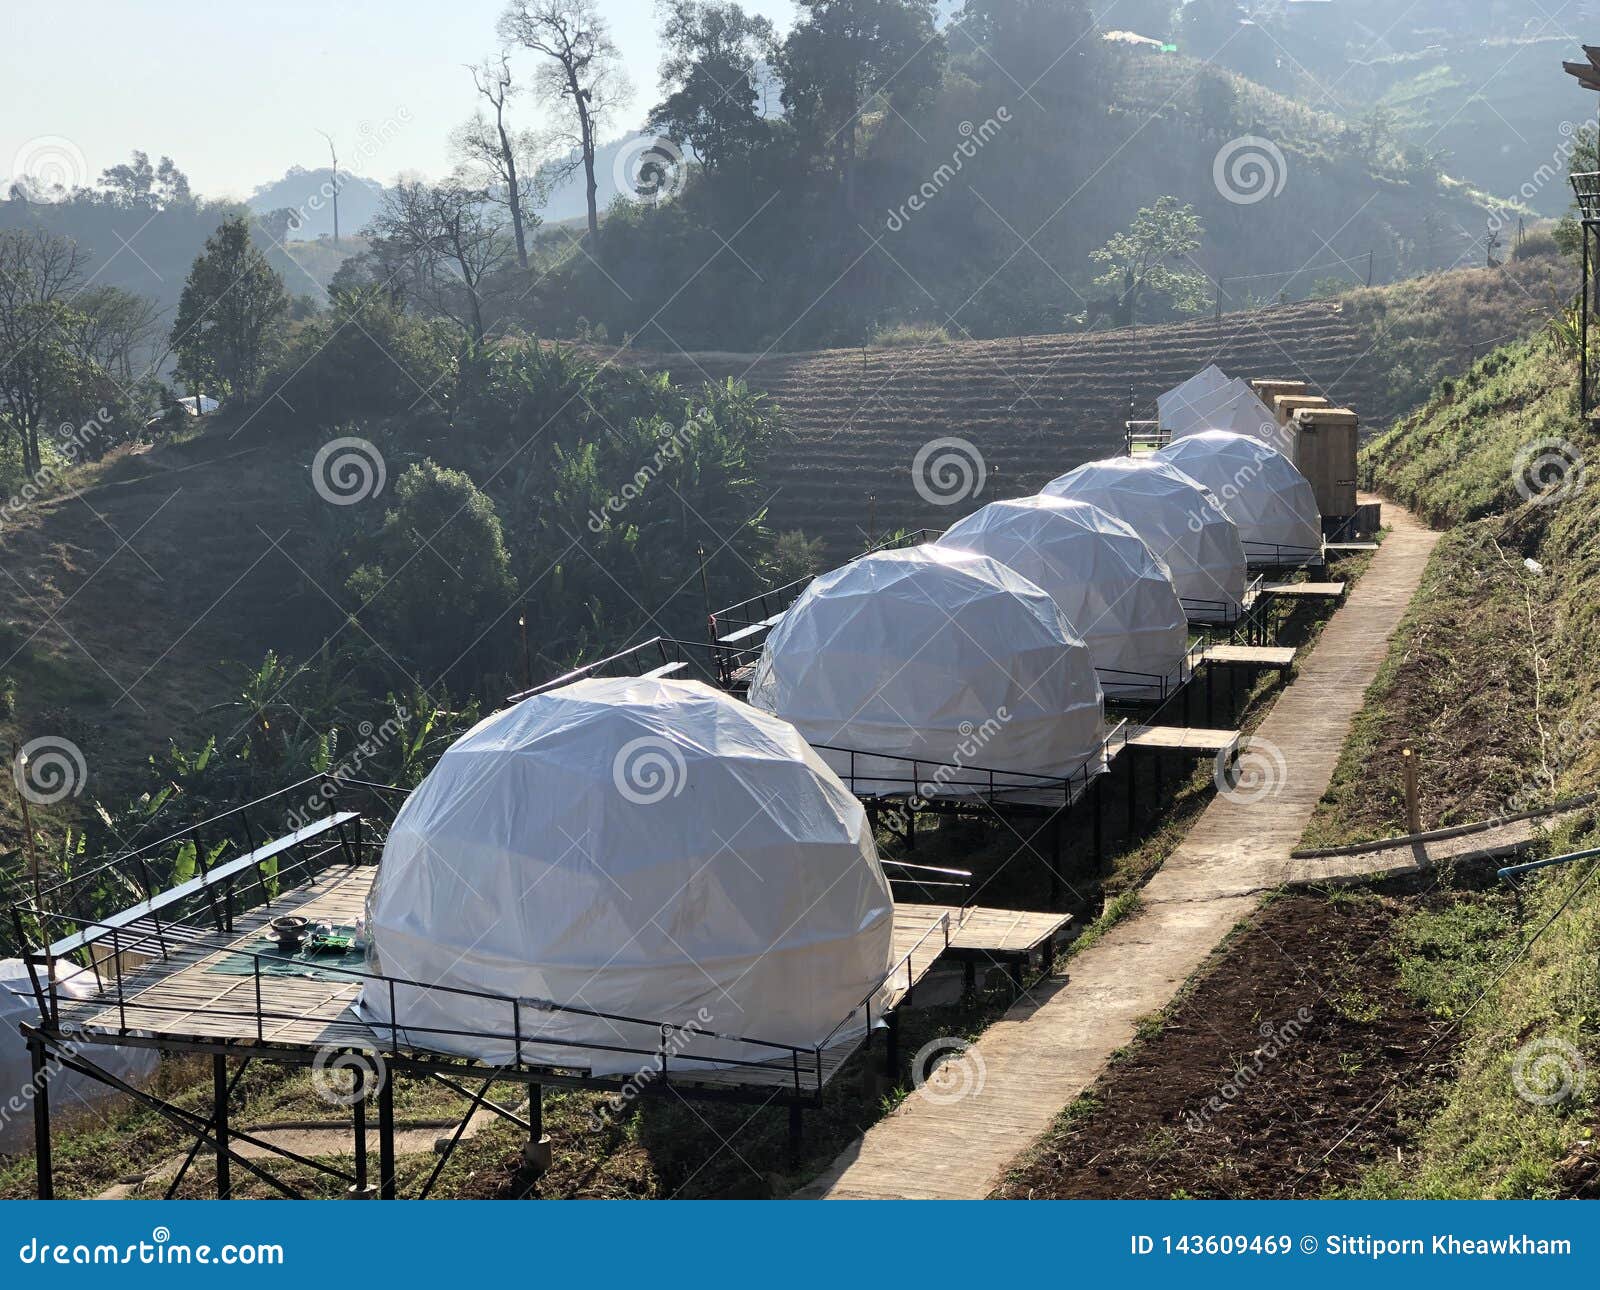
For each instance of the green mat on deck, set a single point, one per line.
(274, 962)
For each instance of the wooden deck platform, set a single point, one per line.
(1183, 739)
(183, 998)
(1304, 590)
(1265, 657)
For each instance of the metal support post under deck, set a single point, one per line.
(45, 1181)
(219, 1123)
(536, 1154)
(386, 1189)
(358, 1110)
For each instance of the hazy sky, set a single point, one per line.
(235, 93)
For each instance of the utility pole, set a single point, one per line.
(1369, 268)
(334, 155)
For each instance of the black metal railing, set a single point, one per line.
(751, 617)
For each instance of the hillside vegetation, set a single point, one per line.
(1037, 406)
(1493, 680)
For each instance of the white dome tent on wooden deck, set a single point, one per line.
(1272, 503)
(1110, 586)
(646, 849)
(1178, 519)
(937, 656)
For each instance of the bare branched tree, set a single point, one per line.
(445, 233)
(497, 158)
(581, 70)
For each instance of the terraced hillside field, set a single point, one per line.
(1036, 406)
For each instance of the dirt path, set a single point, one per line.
(1056, 1041)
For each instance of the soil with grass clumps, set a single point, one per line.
(1291, 1064)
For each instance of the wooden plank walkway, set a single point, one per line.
(1056, 1041)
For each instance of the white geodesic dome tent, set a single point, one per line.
(1199, 387)
(651, 849)
(1273, 504)
(70, 1094)
(1233, 407)
(1178, 519)
(937, 655)
(1113, 591)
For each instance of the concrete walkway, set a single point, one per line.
(1055, 1042)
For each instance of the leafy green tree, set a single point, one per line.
(1206, 26)
(439, 575)
(1216, 103)
(138, 183)
(1046, 47)
(43, 379)
(711, 72)
(231, 314)
(1143, 261)
(844, 54)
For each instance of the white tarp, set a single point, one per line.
(1179, 520)
(70, 1094)
(648, 848)
(1273, 504)
(1236, 408)
(1196, 389)
(939, 655)
(1112, 589)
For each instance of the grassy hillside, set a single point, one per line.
(1493, 679)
